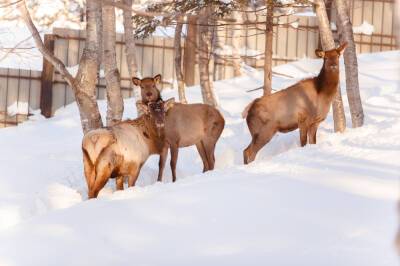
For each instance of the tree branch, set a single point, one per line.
(123, 6)
(39, 44)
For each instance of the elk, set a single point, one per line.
(303, 105)
(185, 125)
(121, 150)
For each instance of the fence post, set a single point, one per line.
(46, 88)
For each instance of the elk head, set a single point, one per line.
(157, 111)
(148, 88)
(331, 57)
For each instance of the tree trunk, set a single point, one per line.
(178, 62)
(189, 61)
(84, 84)
(115, 104)
(130, 51)
(350, 60)
(269, 27)
(329, 44)
(236, 30)
(204, 59)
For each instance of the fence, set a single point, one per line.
(22, 91)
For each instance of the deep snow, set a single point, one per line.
(333, 203)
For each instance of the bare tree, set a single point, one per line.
(269, 27)
(204, 57)
(350, 60)
(84, 84)
(130, 50)
(178, 62)
(115, 104)
(329, 44)
(236, 32)
(189, 61)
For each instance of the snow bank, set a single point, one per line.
(328, 204)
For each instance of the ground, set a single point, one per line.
(333, 203)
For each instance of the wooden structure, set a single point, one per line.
(23, 91)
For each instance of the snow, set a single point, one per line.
(228, 50)
(333, 203)
(364, 28)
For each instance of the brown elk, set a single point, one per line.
(121, 150)
(303, 105)
(185, 125)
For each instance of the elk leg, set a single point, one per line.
(209, 148)
(101, 179)
(258, 141)
(119, 182)
(174, 158)
(202, 153)
(303, 131)
(133, 175)
(161, 163)
(90, 173)
(312, 133)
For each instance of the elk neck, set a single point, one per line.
(327, 81)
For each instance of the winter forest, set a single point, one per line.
(200, 132)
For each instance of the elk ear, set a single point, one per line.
(136, 81)
(168, 104)
(341, 48)
(142, 108)
(319, 53)
(157, 79)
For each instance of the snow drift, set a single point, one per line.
(327, 204)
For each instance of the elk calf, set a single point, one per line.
(303, 105)
(121, 150)
(185, 125)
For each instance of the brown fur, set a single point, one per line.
(149, 88)
(303, 105)
(185, 125)
(119, 151)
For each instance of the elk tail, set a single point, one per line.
(93, 143)
(246, 110)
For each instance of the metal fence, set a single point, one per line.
(22, 91)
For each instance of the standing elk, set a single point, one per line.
(185, 125)
(303, 105)
(121, 150)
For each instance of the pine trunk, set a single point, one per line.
(329, 44)
(269, 27)
(350, 60)
(204, 59)
(115, 104)
(178, 62)
(130, 51)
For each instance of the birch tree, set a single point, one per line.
(351, 65)
(206, 83)
(329, 44)
(236, 32)
(130, 50)
(115, 104)
(178, 62)
(269, 27)
(189, 61)
(84, 84)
